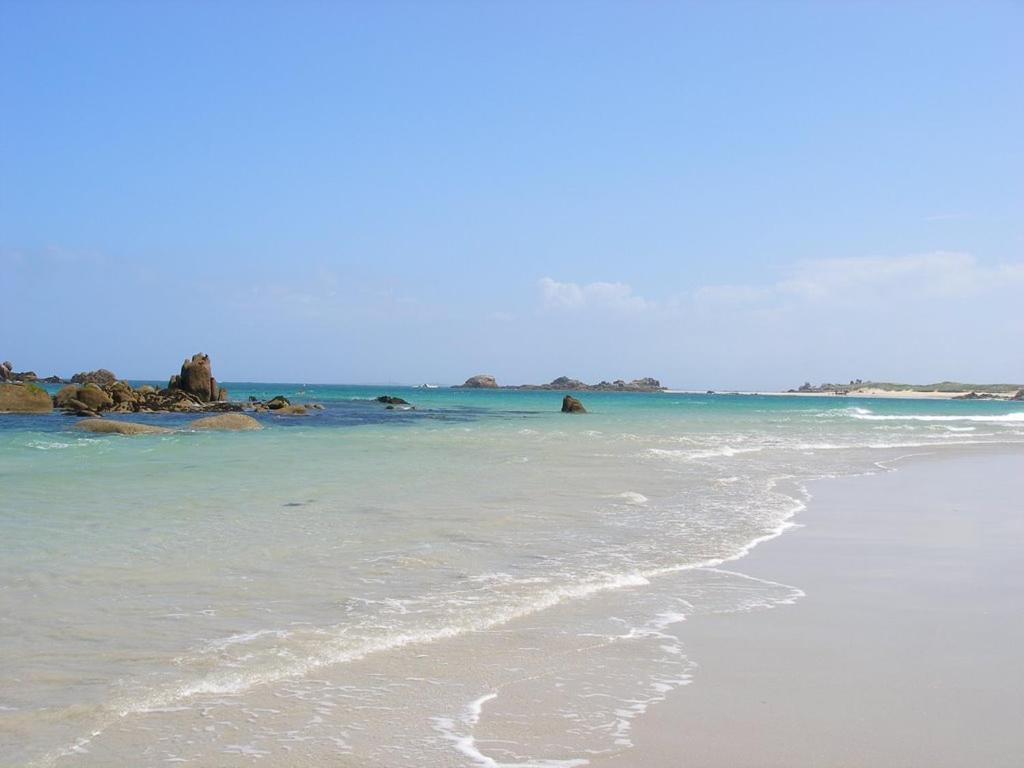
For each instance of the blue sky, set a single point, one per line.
(715, 194)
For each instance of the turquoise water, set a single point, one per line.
(482, 580)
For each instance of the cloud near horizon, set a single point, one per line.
(599, 295)
(935, 275)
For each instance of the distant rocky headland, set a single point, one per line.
(952, 389)
(564, 383)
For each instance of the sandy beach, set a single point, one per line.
(905, 650)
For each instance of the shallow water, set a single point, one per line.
(479, 581)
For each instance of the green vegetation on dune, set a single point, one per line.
(889, 386)
(942, 386)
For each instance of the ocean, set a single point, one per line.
(479, 581)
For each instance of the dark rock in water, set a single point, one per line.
(102, 377)
(291, 410)
(52, 380)
(389, 400)
(571, 405)
(1019, 395)
(975, 396)
(24, 398)
(480, 381)
(280, 401)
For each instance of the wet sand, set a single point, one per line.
(905, 651)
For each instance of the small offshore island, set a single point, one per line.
(563, 383)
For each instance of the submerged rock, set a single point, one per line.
(232, 421)
(110, 426)
(571, 405)
(291, 410)
(24, 398)
(389, 400)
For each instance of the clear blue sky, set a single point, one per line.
(715, 194)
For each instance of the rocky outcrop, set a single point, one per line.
(566, 383)
(24, 398)
(278, 402)
(113, 426)
(8, 374)
(571, 405)
(232, 421)
(94, 398)
(196, 378)
(480, 381)
(101, 377)
(1019, 395)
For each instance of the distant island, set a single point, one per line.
(564, 383)
(947, 389)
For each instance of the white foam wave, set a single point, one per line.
(462, 737)
(1002, 418)
(632, 497)
(707, 453)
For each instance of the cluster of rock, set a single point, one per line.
(101, 377)
(8, 374)
(93, 393)
(282, 406)
(1016, 396)
(192, 389)
(563, 383)
(120, 397)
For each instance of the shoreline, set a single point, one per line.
(867, 394)
(875, 664)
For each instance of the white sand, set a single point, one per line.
(906, 650)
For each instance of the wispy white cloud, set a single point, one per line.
(935, 275)
(575, 296)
